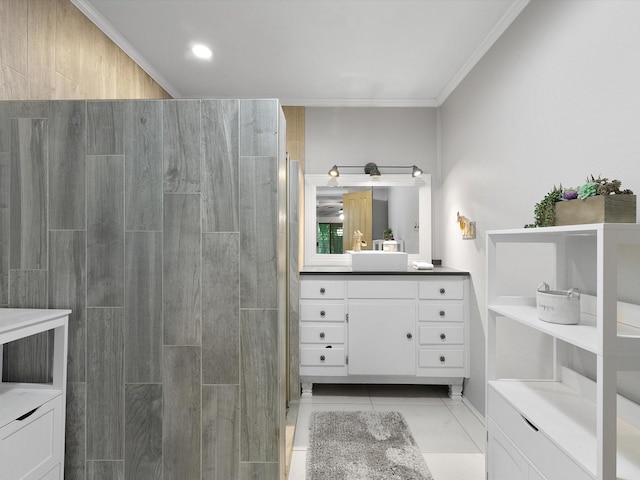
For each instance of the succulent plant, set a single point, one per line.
(589, 189)
(544, 211)
(608, 187)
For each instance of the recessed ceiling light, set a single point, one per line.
(201, 51)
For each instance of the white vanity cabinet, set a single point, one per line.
(559, 415)
(384, 328)
(323, 327)
(32, 415)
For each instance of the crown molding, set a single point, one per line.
(360, 102)
(507, 19)
(110, 31)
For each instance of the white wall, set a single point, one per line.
(385, 136)
(557, 98)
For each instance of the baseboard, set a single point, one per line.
(473, 409)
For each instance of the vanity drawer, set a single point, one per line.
(441, 358)
(441, 312)
(322, 289)
(533, 443)
(322, 312)
(445, 335)
(381, 289)
(439, 288)
(30, 446)
(322, 334)
(319, 356)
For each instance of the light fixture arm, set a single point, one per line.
(374, 170)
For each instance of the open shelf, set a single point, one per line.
(583, 335)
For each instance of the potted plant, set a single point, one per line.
(598, 200)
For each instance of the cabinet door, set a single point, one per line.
(382, 338)
(504, 460)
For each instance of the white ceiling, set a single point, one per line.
(308, 52)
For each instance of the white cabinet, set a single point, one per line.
(32, 415)
(506, 461)
(323, 328)
(384, 329)
(382, 338)
(569, 421)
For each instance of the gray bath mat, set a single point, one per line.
(363, 446)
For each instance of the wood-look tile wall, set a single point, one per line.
(50, 51)
(157, 222)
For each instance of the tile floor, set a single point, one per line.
(449, 435)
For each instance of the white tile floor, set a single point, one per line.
(449, 435)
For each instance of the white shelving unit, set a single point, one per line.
(567, 426)
(32, 414)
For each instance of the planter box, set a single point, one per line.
(597, 209)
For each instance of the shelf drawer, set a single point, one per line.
(441, 312)
(318, 356)
(322, 289)
(444, 335)
(381, 289)
(30, 447)
(533, 443)
(441, 358)
(437, 288)
(322, 334)
(322, 312)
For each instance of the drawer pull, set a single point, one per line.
(322, 358)
(322, 291)
(329, 346)
(409, 335)
(443, 336)
(322, 313)
(442, 313)
(27, 415)
(442, 359)
(533, 427)
(322, 335)
(442, 291)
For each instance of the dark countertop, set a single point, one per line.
(343, 270)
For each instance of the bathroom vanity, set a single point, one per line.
(402, 327)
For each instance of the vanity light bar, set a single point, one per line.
(373, 169)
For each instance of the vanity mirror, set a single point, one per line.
(397, 202)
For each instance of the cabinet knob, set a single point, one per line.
(322, 290)
(322, 358)
(442, 291)
(409, 335)
(442, 313)
(442, 359)
(443, 336)
(322, 313)
(321, 334)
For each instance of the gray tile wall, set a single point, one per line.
(157, 223)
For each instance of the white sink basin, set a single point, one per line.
(379, 261)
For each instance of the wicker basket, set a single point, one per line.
(558, 306)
